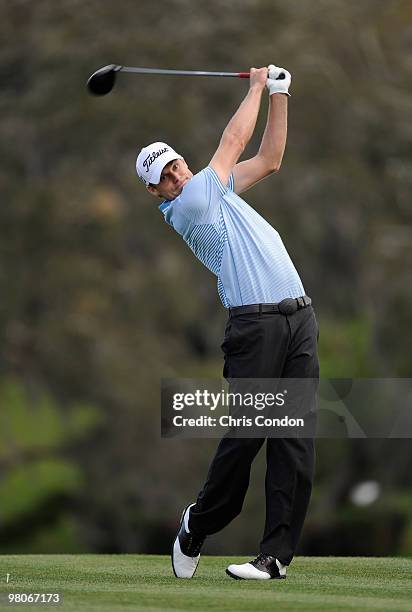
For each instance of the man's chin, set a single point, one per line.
(179, 191)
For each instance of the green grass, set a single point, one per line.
(137, 582)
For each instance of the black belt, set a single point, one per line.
(285, 307)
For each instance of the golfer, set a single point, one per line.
(271, 332)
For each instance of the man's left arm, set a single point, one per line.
(269, 157)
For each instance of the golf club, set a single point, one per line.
(102, 81)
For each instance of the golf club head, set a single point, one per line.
(102, 81)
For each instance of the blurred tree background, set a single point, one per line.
(101, 299)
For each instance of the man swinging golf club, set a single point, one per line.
(271, 332)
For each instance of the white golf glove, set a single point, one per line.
(278, 80)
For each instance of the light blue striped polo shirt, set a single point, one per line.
(231, 239)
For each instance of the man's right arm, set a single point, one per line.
(269, 157)
(240, 128)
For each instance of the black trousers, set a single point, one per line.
(264, 346)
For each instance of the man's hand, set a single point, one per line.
(278, 80)
(258, 78)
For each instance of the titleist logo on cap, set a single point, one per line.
(152, 157)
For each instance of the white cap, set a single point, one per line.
(151, 161)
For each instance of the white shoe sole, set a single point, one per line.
(266, 576)
(173, 547)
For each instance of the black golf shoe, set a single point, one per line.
(264, 567)
(186, 548)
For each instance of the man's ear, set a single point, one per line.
(152, 190)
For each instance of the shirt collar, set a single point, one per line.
(164, 205)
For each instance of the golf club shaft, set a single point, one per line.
(241, 75)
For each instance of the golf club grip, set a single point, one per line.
(244, 75)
